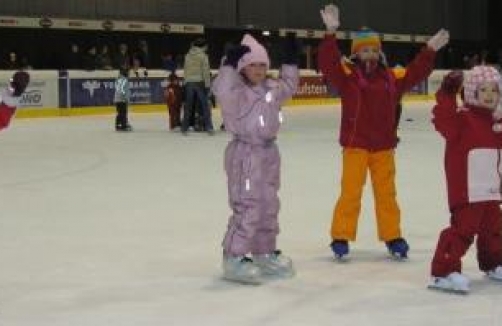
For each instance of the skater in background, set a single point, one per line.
(196, 121)
(9, 97)
(121, 100)
(174, 98)
(473, 135)
(250, 105)
(197, 80)
(370, 93)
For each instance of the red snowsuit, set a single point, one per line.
(369, 102)
(8, 106)
(368, 136)
(174, 97)
(473, 174)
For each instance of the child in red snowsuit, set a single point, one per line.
(9, 97)
(174, 98)
(473, 165)
(370, 93)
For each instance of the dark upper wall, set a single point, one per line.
(466, 19)
(220, 12)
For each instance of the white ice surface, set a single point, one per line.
(99, 228)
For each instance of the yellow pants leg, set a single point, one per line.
(348, 206)
(383, 173)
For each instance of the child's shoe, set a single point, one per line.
(398, 248)
(454, 282)
(241, 269)
(275, 264)
(340, 248)
(495, 274)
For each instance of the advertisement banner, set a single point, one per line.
(314, 87)
(86, 92)
(42, 92)
(66, 89)
(107, 25)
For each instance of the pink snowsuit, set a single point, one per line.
(252, 114)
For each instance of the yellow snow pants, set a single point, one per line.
(381, 165)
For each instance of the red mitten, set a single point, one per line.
(452, 82)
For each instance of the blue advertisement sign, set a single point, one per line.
(100, 92)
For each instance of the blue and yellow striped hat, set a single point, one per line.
(365, 37)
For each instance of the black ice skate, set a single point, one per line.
(340, 249)
(398, 248)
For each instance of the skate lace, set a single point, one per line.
(246, 260)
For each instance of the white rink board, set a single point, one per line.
(42, 91)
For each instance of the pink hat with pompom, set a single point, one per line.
(474, 78)
(258, 54)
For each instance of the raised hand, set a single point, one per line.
(452, 82)
(439, 40)
(331, 18)
(291, 50)
(234, 54)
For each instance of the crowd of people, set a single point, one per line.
(102, 57)
(168, 54)
(188, 102)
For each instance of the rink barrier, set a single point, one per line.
(77, 93)
(158, 108)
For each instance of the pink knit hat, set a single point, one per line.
(475, 77)
(258, 54)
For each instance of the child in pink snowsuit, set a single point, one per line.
(251, 105)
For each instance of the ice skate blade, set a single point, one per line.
(279, 276)
(445, 290)
(494, 279)
(342, 259)
(244, 281)
(398, 257)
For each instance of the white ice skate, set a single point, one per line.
(275, 264)
(241, 269)
(495, 274)
(454, 283)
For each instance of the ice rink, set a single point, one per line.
(99, 228)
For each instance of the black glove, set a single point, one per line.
(19, 82)
(291, 50)
(234, 54)
(452, 82)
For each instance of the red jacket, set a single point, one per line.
(369, 103)
(473, 151)
(8, 106)
(173, 94)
